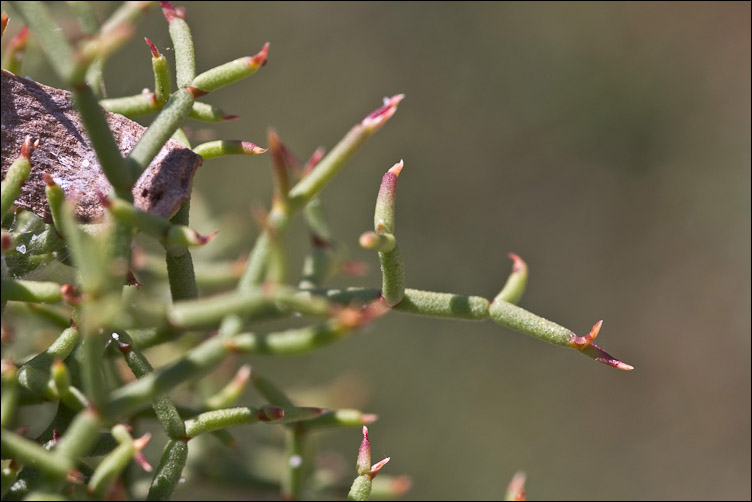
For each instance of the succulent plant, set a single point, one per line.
(81, 179)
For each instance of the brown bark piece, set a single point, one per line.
(47, 114)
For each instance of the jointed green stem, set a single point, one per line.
(167, 474)
(79, 437)
(15, 176)
(103, 142)
(113, 464)
(164, 409)
(61, 348)
(180, 33)
(31, 291)
(29, 452)
(164, 126)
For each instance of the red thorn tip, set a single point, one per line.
(252, 148)
(378, 117)
(19, 41)
(615, 363)
(141, 442)
(154, 51)
(206, 239)
(243, 374)
(369, 418)
(171, 12)
(396, 169)
(69, 294)
(580, 342)
(28, 147)
(49, 181)
(273, 138)
(4, 21)
(124, 348)
(141, 460)
(230, 117)
(519, 264)
(314, 160)
(196, 92)
(260, 59)
(271, 414)
(603, 357)
(516, 488)
(377, 467)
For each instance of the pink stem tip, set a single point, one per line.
(316, 157)
(377, 467)
(19, 41)
(28, 147)
(580, 342)
(261, 58)
(70, 295)
(396, 169)
(171, 12)
(205, 239)
(377, 117)
(251, 148)
(154, 51)
(519, 264)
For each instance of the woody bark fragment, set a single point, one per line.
(65, 152)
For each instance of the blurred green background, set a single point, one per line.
(608, 144)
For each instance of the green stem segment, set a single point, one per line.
(390, 258)
(159, 132)
(231, 417)
(221, 148)
(29, 452)
(132, 106)
(162, 83)
(108, 152)
(31, 291)
(182, 41)
(167, 475)
(164, 409)
(17, 173)
(174, 237)
(229, 73)
(113, 464)
(180, 272)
